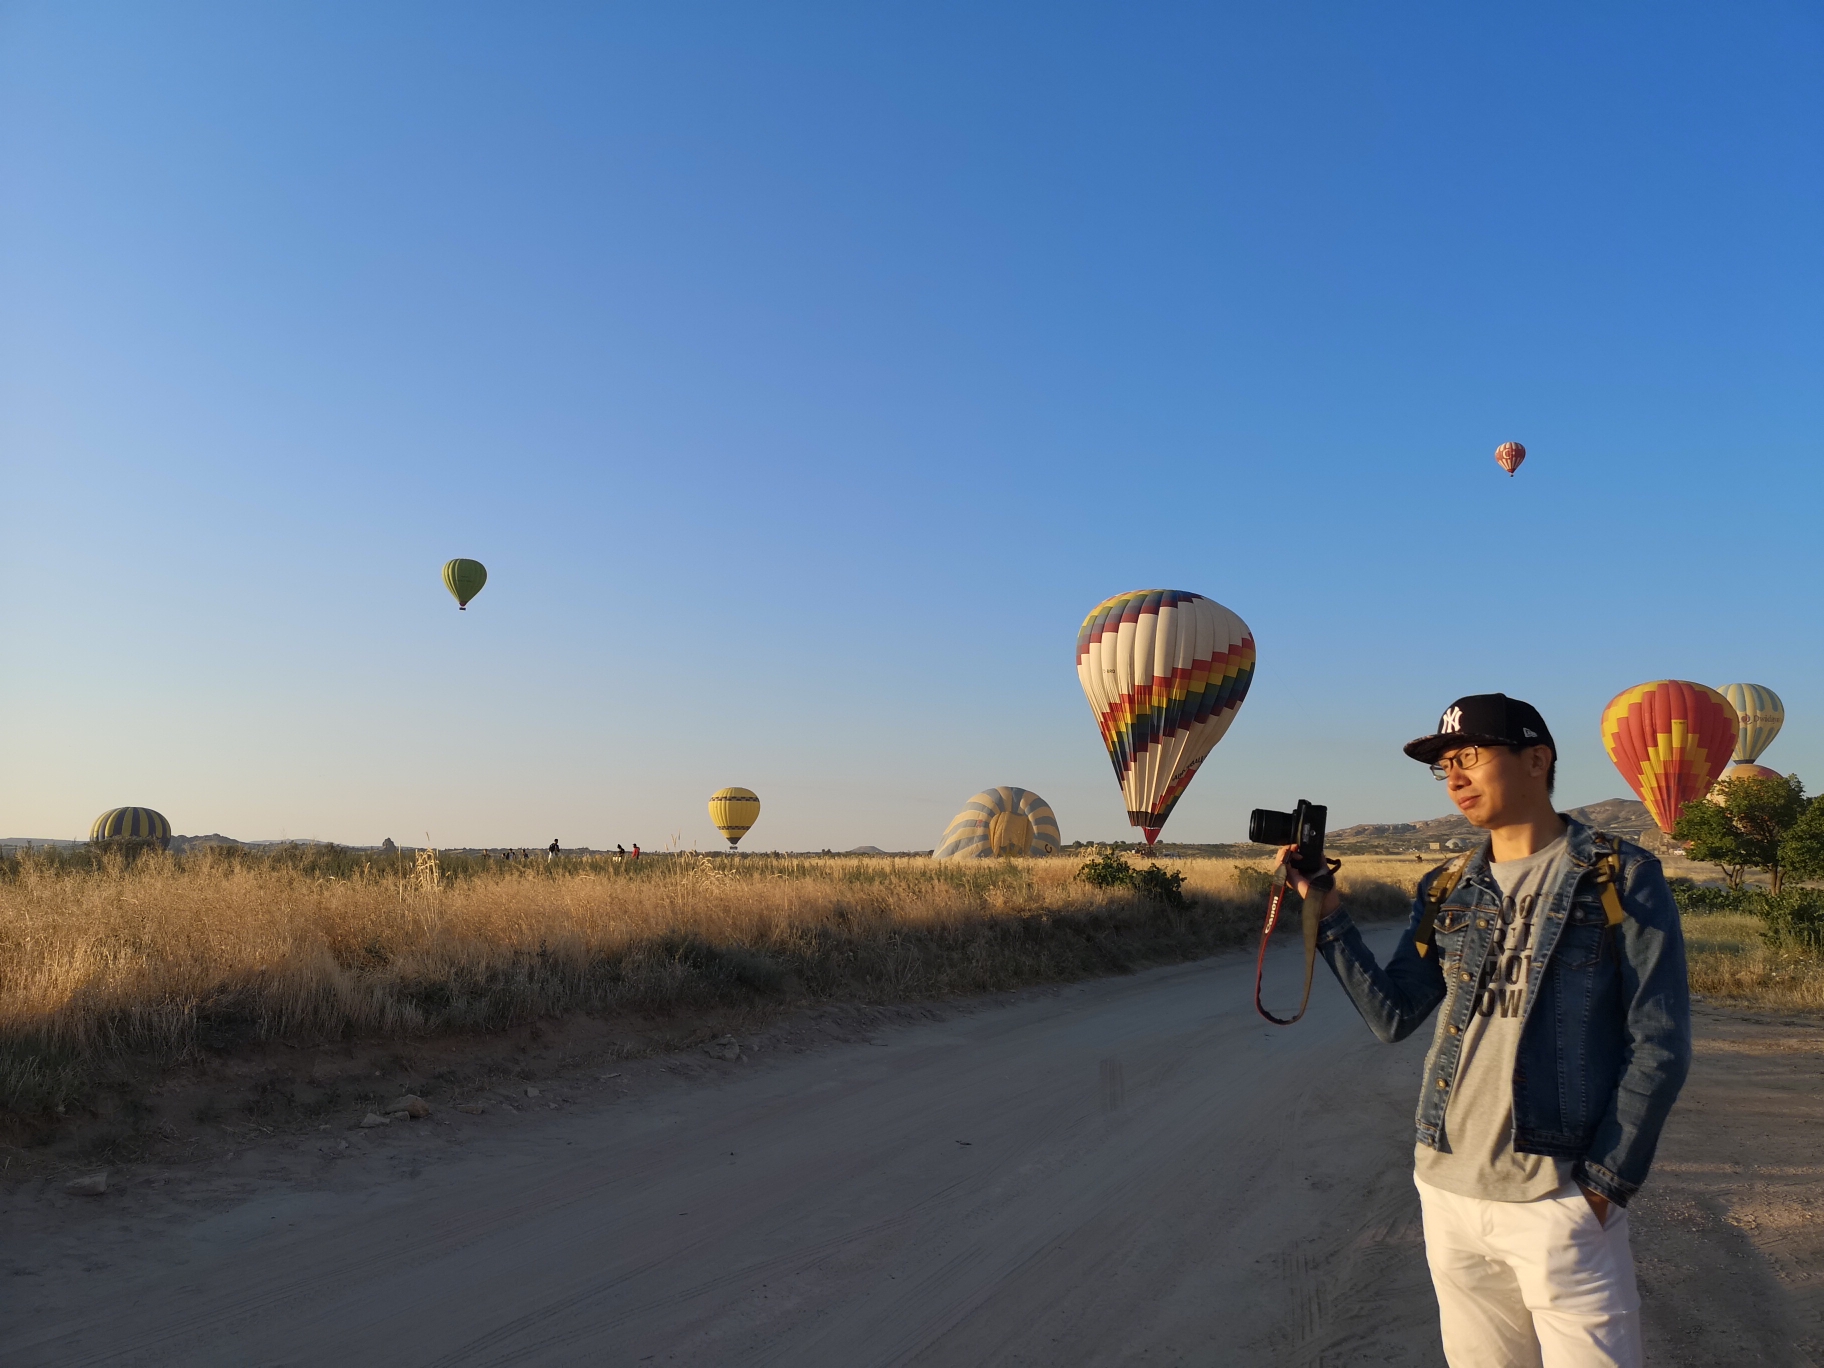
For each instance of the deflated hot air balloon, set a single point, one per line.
(1759, 715)
(1000, 821)
(464, 579)
(1164, 672)
(1509, 455)
(1669, 740)
(131, 824)
(734, 811)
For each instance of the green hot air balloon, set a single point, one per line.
(464, 578)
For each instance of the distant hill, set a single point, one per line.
(1624, 817)
(214, 838)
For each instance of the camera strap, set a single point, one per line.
(1312, 915)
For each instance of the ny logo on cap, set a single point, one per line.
(1451, 721)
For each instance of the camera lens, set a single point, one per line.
(1266, 827)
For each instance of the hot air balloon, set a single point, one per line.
(1164, 672)
(1669, 739)
(1741, 772)
(1000, 821)
(464, 579)
(131, 824)
(1509, 455)
(734, 811)
(1759, 714)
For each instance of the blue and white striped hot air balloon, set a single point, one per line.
(999, 822)
(1759, 713)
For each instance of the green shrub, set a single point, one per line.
(1789, 921)
(1108, 869)
(1695, 897)
(1163, 888)
(1253, 881)
(1793, 921)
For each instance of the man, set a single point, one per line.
(1564, 1037)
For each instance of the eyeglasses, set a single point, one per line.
(1466, 759)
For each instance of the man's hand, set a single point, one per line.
(1301, 884)
(1598, 1204)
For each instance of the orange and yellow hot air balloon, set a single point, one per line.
(1670, 739)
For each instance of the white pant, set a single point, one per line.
(1539, 1284)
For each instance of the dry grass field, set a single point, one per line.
(112, 965)
(1731, 960)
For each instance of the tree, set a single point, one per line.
(1802, 852)
(1744, 825)
(1708, 835)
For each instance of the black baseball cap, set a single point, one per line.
(1483, 720)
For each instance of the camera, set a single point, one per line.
(1302, 827)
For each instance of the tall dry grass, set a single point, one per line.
(106, 960)
(1733, 959)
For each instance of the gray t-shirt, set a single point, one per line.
(1478, 1157)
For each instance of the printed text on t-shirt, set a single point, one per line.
(1509, 964)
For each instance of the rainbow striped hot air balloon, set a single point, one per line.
(1669, 739)
(1165, 672)
(1001, 821)
(1759, 715)
(131, 824)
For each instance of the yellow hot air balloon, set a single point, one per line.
(1761, 714)
(464, 578)
(131, 824)
(734, 811)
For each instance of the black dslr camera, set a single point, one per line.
(1302, 827)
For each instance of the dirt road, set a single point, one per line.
(1134, 1170)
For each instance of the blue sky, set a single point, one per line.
(804, 374)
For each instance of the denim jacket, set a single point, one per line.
(1605, 1036)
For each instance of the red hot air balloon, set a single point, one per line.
(1670, 739)
(1509, 455)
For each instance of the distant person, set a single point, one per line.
(551, 851)
(620, 852)
(1556, 955)
(636, 850)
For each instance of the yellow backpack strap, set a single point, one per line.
(1608, 875)
(1443, 884)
